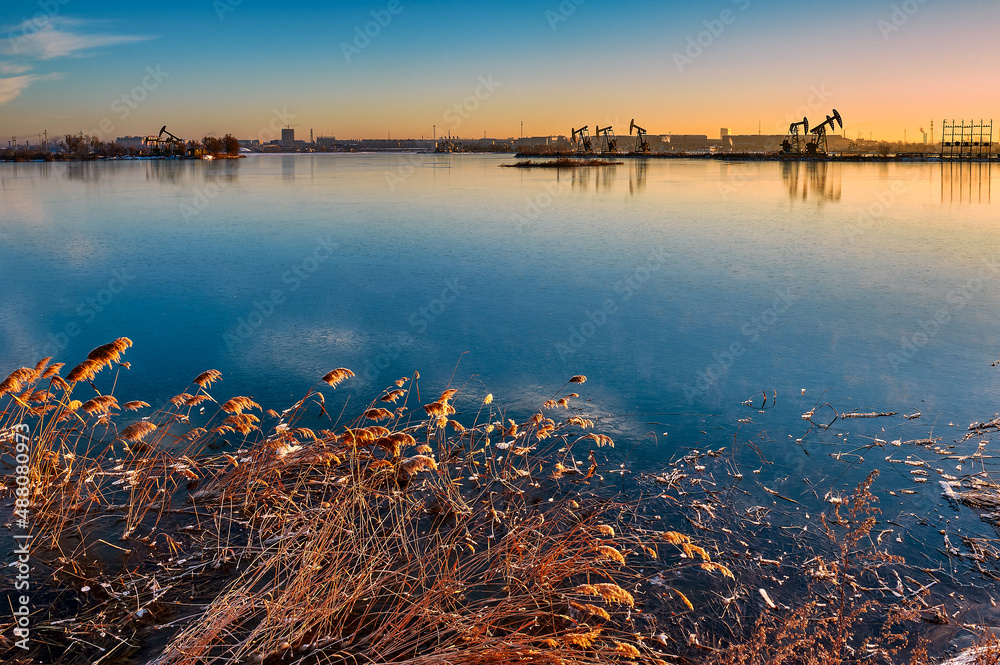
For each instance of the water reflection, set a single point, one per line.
(580, 178)
(176, 171)
(820, 180)
(637, 176)
(966, 182)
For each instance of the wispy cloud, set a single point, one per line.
(60, 37)
(11, 87)
(12, 68)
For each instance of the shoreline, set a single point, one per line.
(929, 158)
(484, 541)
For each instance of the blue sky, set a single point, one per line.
(244, 67)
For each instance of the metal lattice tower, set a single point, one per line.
(972, 140)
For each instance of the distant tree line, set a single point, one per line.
(85, 147)
(227, 145)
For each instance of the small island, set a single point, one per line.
(561, 163)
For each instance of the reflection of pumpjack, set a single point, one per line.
(793, 143)
(609, 142)
(818, 145)
(641, 144)
(584, 135)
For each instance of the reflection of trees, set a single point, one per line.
(91, 171)
(226, 169)
(167, 170)
(176, 170)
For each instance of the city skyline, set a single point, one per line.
(395, 69)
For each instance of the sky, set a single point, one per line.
(417, 68)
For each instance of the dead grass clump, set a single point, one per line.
(293, 535)
(822, 630)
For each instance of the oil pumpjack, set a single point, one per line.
(584, 137)
(794, 143)
(817, 146)
(641, 144)
(609, 142)
(171, 141)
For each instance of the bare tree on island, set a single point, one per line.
(231, 145)
(213, 145)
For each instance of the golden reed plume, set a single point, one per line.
(335, 376)
(207, 378)
(392, 395)
(239, 405)
(17, 380)
(110, 352)
(137, 431)
(377, 414)
(100, 405)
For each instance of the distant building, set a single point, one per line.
(136, 142)
(757, 142)
(724, 132)
(288, 136)
(249, 143)
(326, 141)
(686, 141)
(537, 140)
